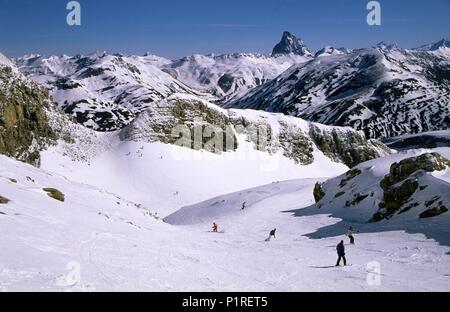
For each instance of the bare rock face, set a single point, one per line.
(290, 44)
(403, 181)
(318, 192)
(350, 148)
(400, 171)
(187, 122)
(24, 128)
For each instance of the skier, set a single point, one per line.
(341, 253)
(350, 235)
(244, 205)
(272, 233)
(215, 227)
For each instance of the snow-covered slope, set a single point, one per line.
(102, 91)
(97, 241)
(4, 61)
(234, 204)
(148, 163)
(405, 191)
(385, 91)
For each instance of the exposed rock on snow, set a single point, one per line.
(3, 200)
(318, 192)
(350, 147)
(185, 121)
(24, 127)
(182, 119)
(54, 193)
(328, 50)
(398, 191)
(403, 181)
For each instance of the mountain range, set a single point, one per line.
(384, 91)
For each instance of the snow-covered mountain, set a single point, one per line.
(384, 91)
(231, 75)
(440, 45)
(102, 91)
(105, 91)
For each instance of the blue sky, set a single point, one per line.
(175, 28)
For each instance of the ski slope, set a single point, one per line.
(166, 177)
(116, 245)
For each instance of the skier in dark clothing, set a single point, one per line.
(272, 233)
(341, 253)
(350, 235)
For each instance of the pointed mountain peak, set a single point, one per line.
(443, 43)
(4, 61)
(290, 44)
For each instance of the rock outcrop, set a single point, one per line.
(24, 128)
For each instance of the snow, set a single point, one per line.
(166, 177)
(100, 84)
(368, 183)
(117, 192)
(4, 61)
(123, 248)
(382, 91)
(423, 139)
(246, 70)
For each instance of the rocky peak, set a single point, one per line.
(290, 44)
(24, 128)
